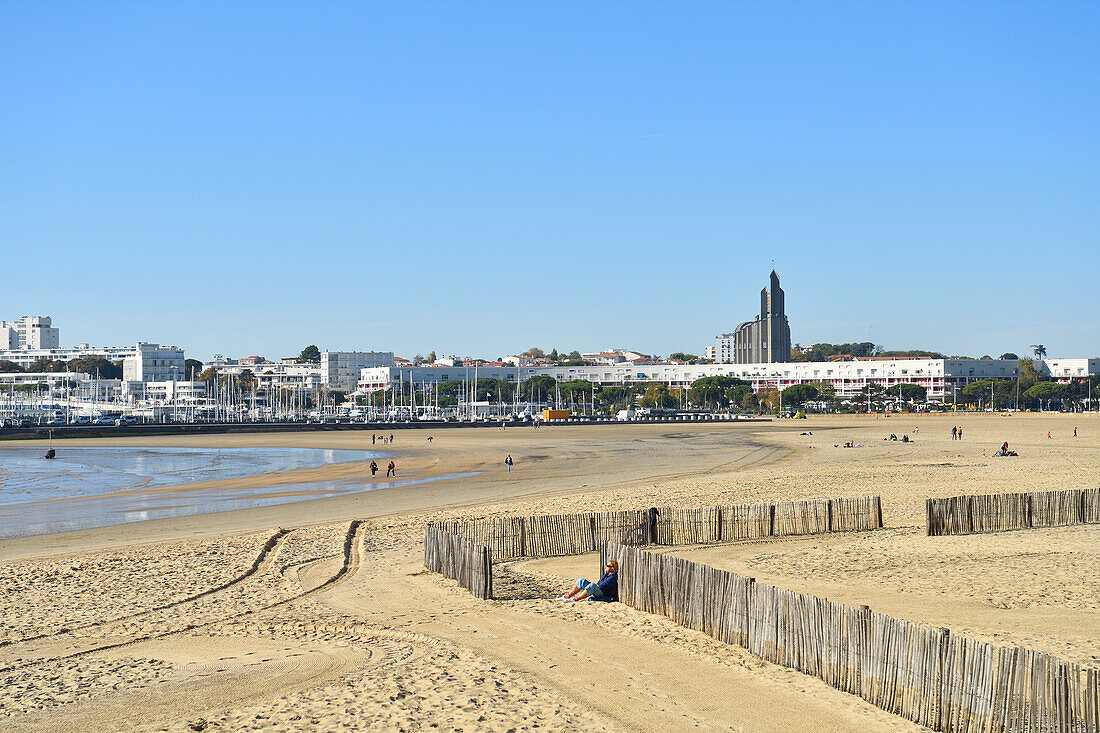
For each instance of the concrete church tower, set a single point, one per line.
(768, 338)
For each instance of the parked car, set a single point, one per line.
(104, 420)
(82, 420)
(55, 421)
(126, 420)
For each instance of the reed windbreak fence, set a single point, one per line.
(550, 535)
(929, 676)
(1000, 512)
(459, 559)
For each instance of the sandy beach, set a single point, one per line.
(317, 615)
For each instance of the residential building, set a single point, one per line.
(340, 369)
(29, 332)
(154, 363)
(941, 378)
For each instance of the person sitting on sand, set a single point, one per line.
(604, 589)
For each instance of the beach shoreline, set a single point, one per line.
(401, 646)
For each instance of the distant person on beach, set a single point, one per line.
(373, 469)
(960, 432)
(391, 437)
(1004, 448)
(429, 439)
(604, 589)
(1075, 431)
(391, 470)
(373, 439)
(508, 462)
(1048, 435)
(954, 433)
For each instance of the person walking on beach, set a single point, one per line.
(954, 433)
(1048, 435)
(391, 470)
(373, 439)
(373, 469)
(391, 437)
(508, 462)
(1075, 431)
(960, 432)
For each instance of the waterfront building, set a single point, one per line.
(154, 363)
(29, 332)
(340, 369)
(941, 378)
(147, 362)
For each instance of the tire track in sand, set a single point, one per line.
(353, 541)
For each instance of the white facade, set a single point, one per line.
(940, 377)
(1064, 370)
(340, 369)
(168, 391)
(25, 357)
(304, 378)
(154, 363)
(29, 332)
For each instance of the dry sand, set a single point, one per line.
(174, 625)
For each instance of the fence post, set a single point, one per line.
(718, 518)
(863, 654)
(878, 506)
(522, 537)
(771, 520)
(653, 525)
(828, 516)
(927, 516)
(940, 718)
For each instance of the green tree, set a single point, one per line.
(310, 355)
(1008, 355)
(245, 379)
(538, 388)
(768, 397)
(1045, 392)
(535, 353)
(431, 357)
(9, 367)
(715, 392)
(554, 356)
(96, 365)
(46, 365)
(799, 394)
(191, 366)
(913, 393)
(657, 396)
(749, 401)
(208, 375)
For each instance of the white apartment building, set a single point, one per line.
(1065, 370)
(164, 392)
(154, 363)
(940, 377)
(340, 369)
(304, 378)
(29, 332)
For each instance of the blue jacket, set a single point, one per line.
(609, 585)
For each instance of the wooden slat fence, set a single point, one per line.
(459, 559)
(550, 535)
(926, 675)
(999, 512)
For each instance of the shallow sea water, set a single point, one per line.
(77, 489)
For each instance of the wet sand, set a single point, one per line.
(302, 636)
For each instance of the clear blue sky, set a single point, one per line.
(480, 178)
